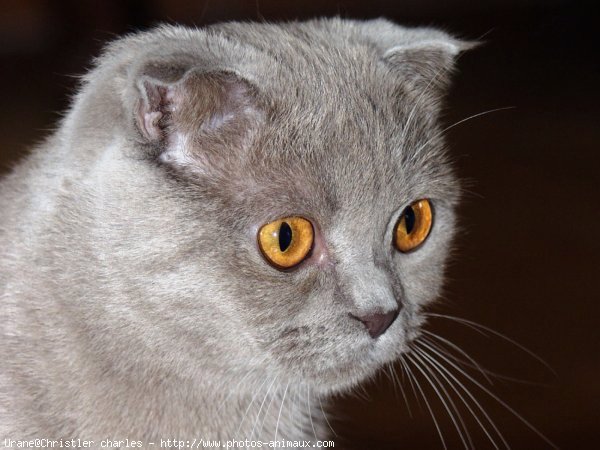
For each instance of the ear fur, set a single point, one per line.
(428, 63)
(185, 115)
(422, 56)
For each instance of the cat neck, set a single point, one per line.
(97, 399)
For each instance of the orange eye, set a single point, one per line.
(414, 226)
(286, 242)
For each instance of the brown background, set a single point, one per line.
(528, 264)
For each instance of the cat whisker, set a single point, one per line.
(437, 426)
(390, 374)
(483, 113)
(466, 119)
(410, 381)
(497, 399)
(441, 369)
(325, 417)
(265, 414)
(250, 404)
(475, 365)
(416, 359)
(482, 329)
(418, 102)
(397, 382)
(461, 351)
(480, 38)
(260, 408)
(403, 392)
(310, 413)
(280, 409)
(360, 392)
(293, 410)
(239, 383)
(426, 365)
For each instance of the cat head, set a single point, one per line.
(299, 175)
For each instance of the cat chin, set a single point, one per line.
(342, 379)
(345, 367)
(337, 379)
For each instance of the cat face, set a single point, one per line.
(311, 318)
(331, 122)
(314, 319)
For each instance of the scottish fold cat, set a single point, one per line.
(230, 225)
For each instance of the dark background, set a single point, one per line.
(528, 260)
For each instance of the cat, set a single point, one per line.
(230, 225)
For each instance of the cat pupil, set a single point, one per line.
(285, 236)
(409, 219)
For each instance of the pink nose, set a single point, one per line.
(377, 323)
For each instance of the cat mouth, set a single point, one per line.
(341, 368)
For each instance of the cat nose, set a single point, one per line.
(377, 323)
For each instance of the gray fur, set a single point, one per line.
(133, 299)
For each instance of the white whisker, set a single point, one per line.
(424, 364)
(472, 397)
(441, 369)
(404, 394)
(428, 406)
(418, 101)
(415, 359)
(461, 351)
(495, 397)
(310, 414)
(280, 409)
(237, 387)
(260, 409)
(410, 381)
(250, 404)
(390, 374)
(402, 391)
(441, 133)
(478, 367)
(325, 416)
(481, 328)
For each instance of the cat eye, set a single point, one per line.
(286, 242)
(414, 226)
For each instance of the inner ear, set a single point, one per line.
(153, 110)
(200, 114)
(213, 104)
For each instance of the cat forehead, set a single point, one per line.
(344, 132)
(326, 66)
(321, 176)
(331, 94)
(324, 62)
(336, 111)
(363, 145)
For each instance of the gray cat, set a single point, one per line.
(230, 225)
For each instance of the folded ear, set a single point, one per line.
(427, 64)
(187, 117)
(421, 56)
